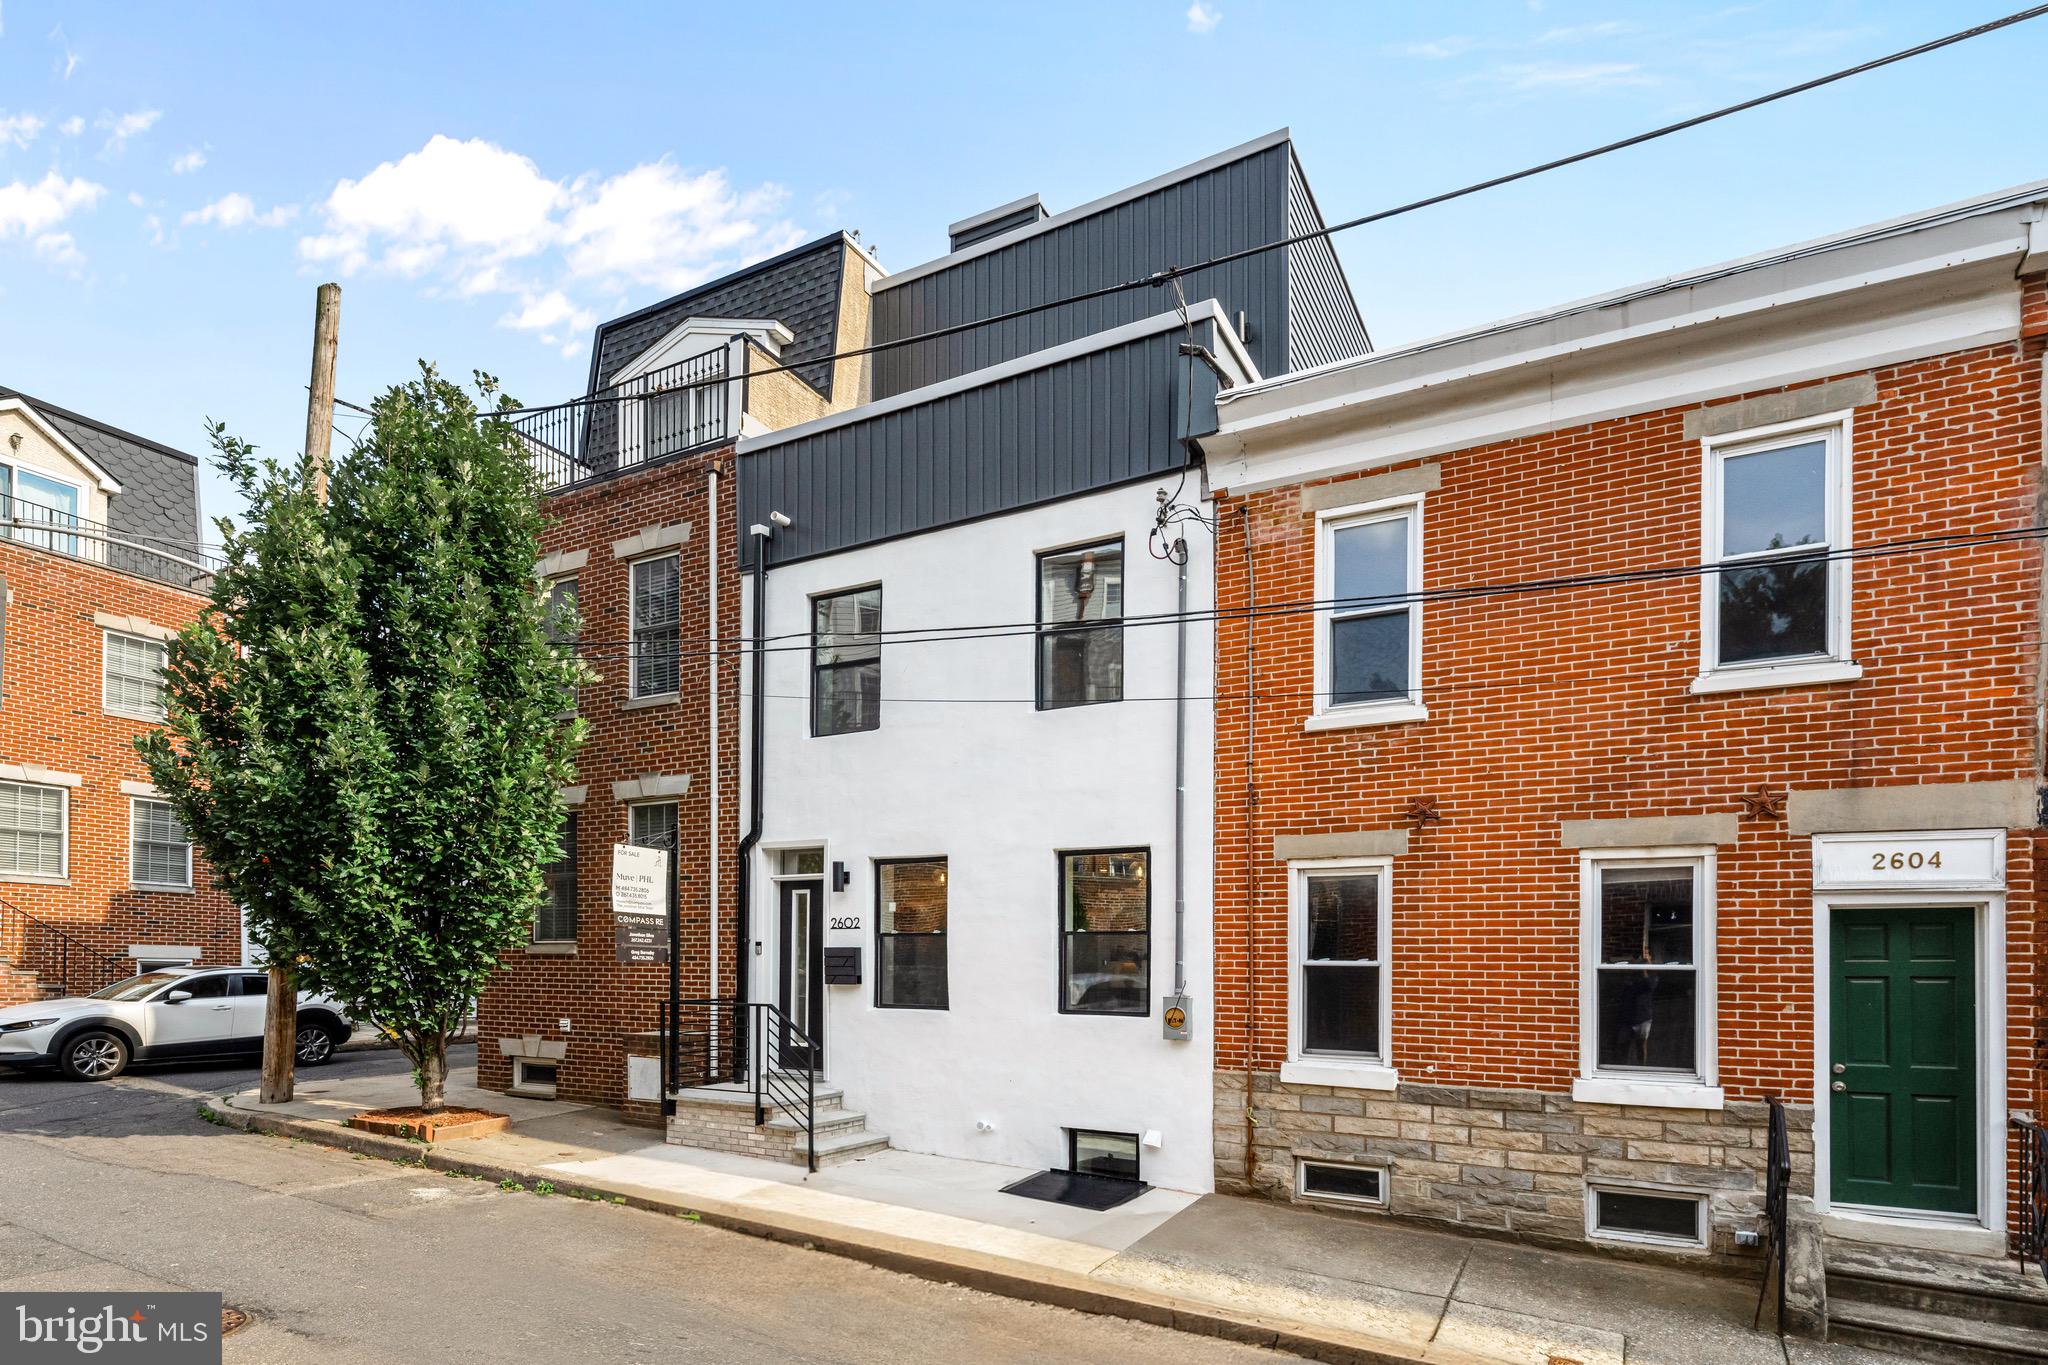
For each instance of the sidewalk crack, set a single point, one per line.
(1456, 1280)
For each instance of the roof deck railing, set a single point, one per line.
(184, 564)
(649, 417)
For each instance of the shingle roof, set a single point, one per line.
(159, 494)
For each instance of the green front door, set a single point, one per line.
(1903, 1074)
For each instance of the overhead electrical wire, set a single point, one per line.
(1479, 591)
(1172, 273)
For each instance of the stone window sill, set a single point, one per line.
(146, 717)
(31, 879)
(1373, 713)
(1648, 1094)
(1342, 1075)
(160, 890)
(552, 948)
(642, 703)
(1782, 675)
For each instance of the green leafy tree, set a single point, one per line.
(363, 729)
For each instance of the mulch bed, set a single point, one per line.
(414, 1122)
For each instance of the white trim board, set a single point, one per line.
(1087, 210)
(107, 482)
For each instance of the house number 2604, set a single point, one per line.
(1903, 862)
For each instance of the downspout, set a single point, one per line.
(1180, 779)
(757, 750)
(711, 683)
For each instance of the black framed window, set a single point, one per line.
(1080, 625)
(910, 930)
(657, 621)
(1106, 932)
(1091, 1151)
(562, 622)
(556, 920)
(653, 825)
(846, 662)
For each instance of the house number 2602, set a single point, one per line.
(1903, 862)
(846, 922)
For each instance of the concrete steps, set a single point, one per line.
(21, 987)
(721, 1119)
(1962, 1309)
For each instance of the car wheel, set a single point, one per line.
(315, 1045)
(95, 1057)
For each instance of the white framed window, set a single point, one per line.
(34, 499)
(1647, 978)
(1340, 1183)
(657, 624)
(1368, 646)
(1620, 1211)
(1340, 1005)
(1776, 506)
(132, 675)
(534, 1076)
(34, 831)
(159, 850)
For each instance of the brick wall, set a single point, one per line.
(1573, 705)
(604, 999)
(51, 715)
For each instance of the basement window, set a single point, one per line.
(1657, 1217)
(1341, 1184)
(534, 1077)
(1093, 1152)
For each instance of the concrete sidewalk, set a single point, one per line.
(1322, 1285)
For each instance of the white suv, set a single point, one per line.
(162, 1015)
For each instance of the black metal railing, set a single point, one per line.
(60, 959)
(61, 531)
(2030, 1235)
(746, 1044)
(1777, 1196)
(664, 412)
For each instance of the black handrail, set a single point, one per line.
(53, 954)
(714, 1041)
(1777, 1192)
(2030, 1238)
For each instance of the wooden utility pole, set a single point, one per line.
(281, 1018)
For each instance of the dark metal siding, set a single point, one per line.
(1092, 422)
(1323, 322)
(800, 290)
(1227, 208)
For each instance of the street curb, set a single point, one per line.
(944, 1265)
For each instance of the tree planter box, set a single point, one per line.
(445, 1126)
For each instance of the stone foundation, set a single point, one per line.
(1505, 1161)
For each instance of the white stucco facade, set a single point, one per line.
(965, 766)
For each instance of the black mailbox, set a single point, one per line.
(842, 966)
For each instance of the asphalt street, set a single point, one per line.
(337, 1258)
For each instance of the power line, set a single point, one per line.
(742, 645)
(1169, 274)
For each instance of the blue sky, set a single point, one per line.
(486, 183)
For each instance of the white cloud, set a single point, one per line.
(237, 211)
(31, 210)
(658, 225)
(472, 219)
(59, 248)
(68, 63)
(1581, 33)
(154, 226)
(119, 128)
(1525, 78)
(1440, 49)
(187, 162)
(72, 126)
(19, 129)
(1202, 19)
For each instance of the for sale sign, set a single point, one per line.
(639, 880)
